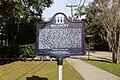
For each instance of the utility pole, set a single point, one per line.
(71, 6)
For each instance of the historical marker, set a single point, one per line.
(60, 37)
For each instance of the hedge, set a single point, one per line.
(17, 51)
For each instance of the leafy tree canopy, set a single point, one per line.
(16, 16)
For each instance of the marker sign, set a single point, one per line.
(60, 37)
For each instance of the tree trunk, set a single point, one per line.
(116, 50)
(114, 57)
(118, 58)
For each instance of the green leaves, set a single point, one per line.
(16, 13)
(93, 26)
(36, 7)
(18, 51)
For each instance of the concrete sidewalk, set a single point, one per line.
(90, 72)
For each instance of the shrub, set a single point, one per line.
(17, 51)
(27, 51)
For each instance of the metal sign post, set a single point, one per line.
(60, 38)
(60, 63)
(89, 36)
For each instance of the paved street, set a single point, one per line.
(101, 54)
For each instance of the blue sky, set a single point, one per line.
(60, 6)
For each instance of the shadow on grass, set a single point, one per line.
(107, 61)
(36, 78)
(7, 61)
(3, 62)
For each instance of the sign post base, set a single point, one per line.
(60, 63)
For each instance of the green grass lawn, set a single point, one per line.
(36, 70)
(106, 65)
